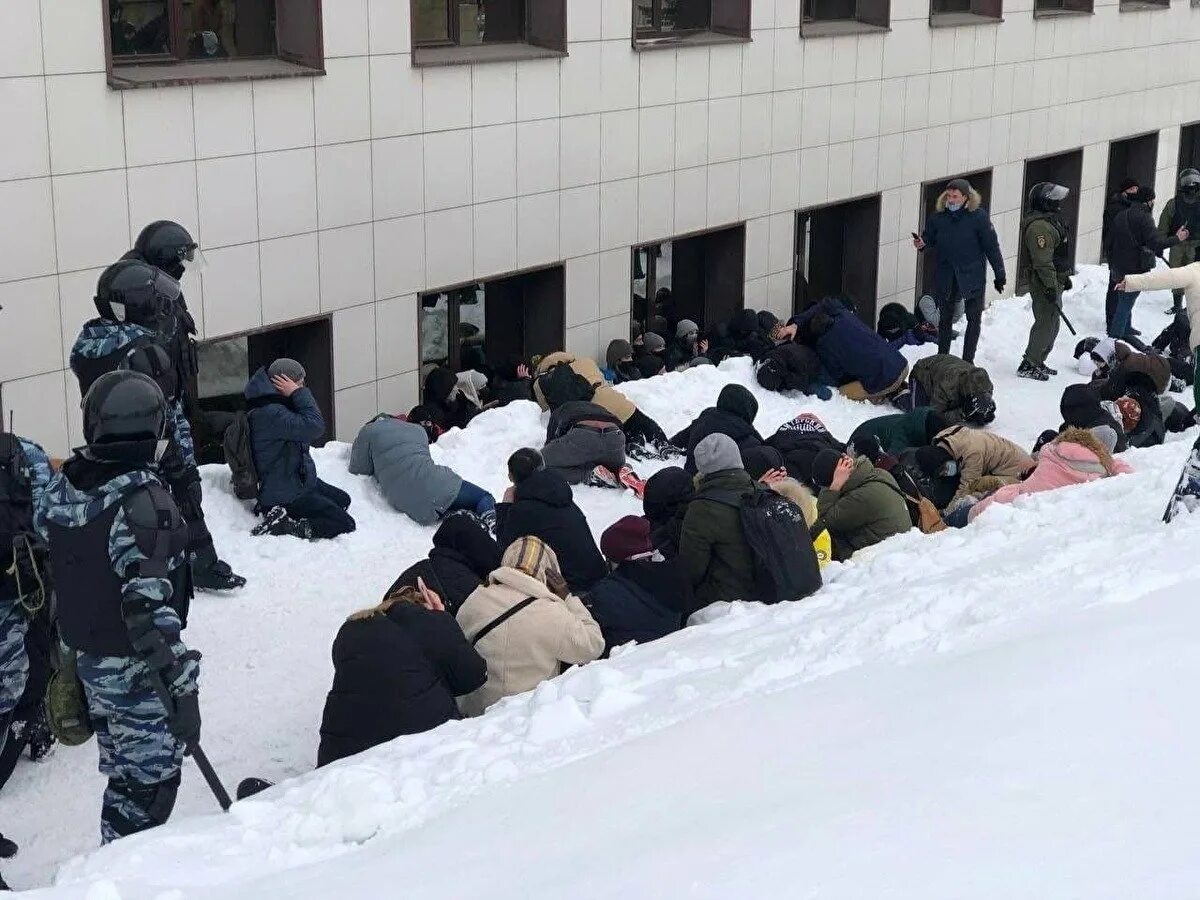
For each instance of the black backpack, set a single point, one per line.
(240, 458)
(785, 563)
(561, 384)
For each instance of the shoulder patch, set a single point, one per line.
(1041, 242)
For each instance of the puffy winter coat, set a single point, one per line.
(1186, 279)
(1081, 407)
(898, 432)
(849, 350)
(395, 673)
(1074, 457)
(642, 600)
(712, 546)
(463, 556)
(397, 454)
(531, 646)
(1132, 241)
(868, 509)
(733, 416)
(665, 502)
(949, 383)
(282, 431)
(789, 367)
(963, 240)
(1151, 370)
(543, 507)
(605, 395)
(985, 460)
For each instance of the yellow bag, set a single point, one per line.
(823, 544)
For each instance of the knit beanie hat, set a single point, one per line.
(288, 368)
(532, 556)
(759, 460)
(717, 453)
(626, 538)
(959, 184)
(1106, 435)
(823, 465)
(1131, 412)
(617, 351)
(1126, 184)
(654, 342)
(685, 328)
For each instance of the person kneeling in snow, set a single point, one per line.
(985, 461)
(858, 504)
(397, 668)
(664, 502)
(732, 416)
(792, 367)
(900, 431)
(585, 445)
(284, 421)
(526, 624)
(646, 596)
(396, 452)
(1076, 456)
(959, 391)
(462, 557)
(621, 366)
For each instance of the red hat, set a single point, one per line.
(1131, 412)
(626, 538)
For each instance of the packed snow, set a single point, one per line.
(991, 712)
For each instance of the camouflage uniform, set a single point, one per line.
(138, 752)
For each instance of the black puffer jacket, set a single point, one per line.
(733, 415)
(742, 338)
(1080, 408)
(789, 367)
(463, 555)
(395, 673)
(665, 502)
(543, 507)
(642, 600)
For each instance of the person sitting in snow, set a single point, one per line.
(766, 465)
(664, 502)
(688, 346)
(646, 596)
(620, 365)
(651, 360)
(859, 504)
(1076, 456)
(397, 668)
(585, 445)
(396, 453)
(526, 624)
(900, 431)
(462, 557)
(733, 416)
(539, 503)
(985, 461)
(444, 397)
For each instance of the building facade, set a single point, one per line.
(375, 183)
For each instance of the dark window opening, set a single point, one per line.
(701, 277)
(930, 191)
(832, 17)
(480, 326)
(669, 21)
(1063, 7)
(153, 42)
(1135, 157)
(1065, 169)
(1135, 5)
(1189, 148)
(458, 31)
(227, 364)
(837, 255)
(965, 12)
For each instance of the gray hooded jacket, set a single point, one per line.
(397, 454)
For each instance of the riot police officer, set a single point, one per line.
(1045, 238)
(1182, 211)
(136, 301)
(118, 557)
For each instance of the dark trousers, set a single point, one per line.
(973, 307)
(1110, 309)
(325, 509)
(473, 497)
(641, 429)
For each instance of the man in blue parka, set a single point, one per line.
(961, 235)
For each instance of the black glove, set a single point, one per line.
(185, 721)
(1067, 283)
(998, 284)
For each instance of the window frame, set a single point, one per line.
(544, 35)
(979, 12)
(1054, 8)
(299, 51)
(728, 22)
(870, 17)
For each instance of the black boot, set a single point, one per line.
(248, 787)
(1029, 370)
(8, 849)
(216, 576)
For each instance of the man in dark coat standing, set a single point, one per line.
(1132, 246)
(961, 234)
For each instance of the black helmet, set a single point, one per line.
(980, 409)
(124, 416)
(1047, 196)
(167, 245)
(153, 361)
(134, 291)
(1189, 181)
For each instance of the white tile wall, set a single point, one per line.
(380, 180)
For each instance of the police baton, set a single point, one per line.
(196, 753)
(1071, 328)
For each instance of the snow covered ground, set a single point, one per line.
(993, 712)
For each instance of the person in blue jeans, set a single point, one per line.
(284, 422)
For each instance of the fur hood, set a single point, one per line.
(974, 201)
(1084, 438)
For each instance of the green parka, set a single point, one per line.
(868, 509)
(715, 555)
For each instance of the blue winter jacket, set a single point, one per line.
(281, 433)
(961, 240)
(849, 350)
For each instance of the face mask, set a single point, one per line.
(954, 207)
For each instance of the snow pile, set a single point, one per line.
(966, 714)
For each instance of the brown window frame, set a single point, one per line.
(728, 22)
(978, 12)
(1051, 8)
(544, 30)
(1144, 5)
(869, 16)
(299, 50)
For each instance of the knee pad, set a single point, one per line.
(140, 806)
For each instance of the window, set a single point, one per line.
(832, 17)
(701, 277)
(1042, 8)
(1135, 5)
(837, 255)
(459, 31)
(153, 42)
(944, 13)
(666, 22)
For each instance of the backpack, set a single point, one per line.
(785, 562)
(240, 458)
(561, 384)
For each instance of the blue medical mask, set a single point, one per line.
(954, 207)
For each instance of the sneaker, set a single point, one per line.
(270, 519)
(488, 520)
(217, 577)
(604, 477)
(278, 523)
(1028, 370)
(1049, 371)
(630, 479)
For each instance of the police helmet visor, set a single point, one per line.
(1190, 180)
(1056, 193)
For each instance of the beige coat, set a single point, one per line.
(986, 461)
(606, 395)
(1186, 279)
(530, 647)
